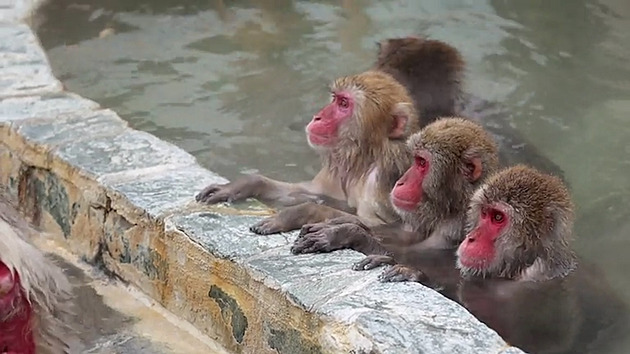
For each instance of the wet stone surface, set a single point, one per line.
(167, 190)
(71, 128)
(400, 317)
(49, 106)
(25, 70)
(227, 236)
(127, 151)
(312, 279)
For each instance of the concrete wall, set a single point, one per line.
(123, 199)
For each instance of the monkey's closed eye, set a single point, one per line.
(421, 161)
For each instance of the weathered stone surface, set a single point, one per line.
(25, 69)
(49, 106)
(17, 10)
(158, 193)
(406, 318)
(227, 236)
(309, 280)
(70, 127)
(131, 150)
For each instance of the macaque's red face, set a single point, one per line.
(478, 251)
(407, 193)
(323, 129)
(16, 333)
(9, 288)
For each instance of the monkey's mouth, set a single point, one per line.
(473, 262)
(404, 204)
(319, 140)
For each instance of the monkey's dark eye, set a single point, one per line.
(421, 161)
(497, 217)
(343, 102)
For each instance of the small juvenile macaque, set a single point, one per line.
(360, 136)
(433, 73)
(35, 295)
(452, 157)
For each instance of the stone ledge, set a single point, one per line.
(123, 199)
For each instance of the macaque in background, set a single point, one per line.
(360, 136)
(452, 157)
(35, 295)
(433, 73)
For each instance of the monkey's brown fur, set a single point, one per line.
(357, 174)
(439, 217)
(537, 244)
(431, 70)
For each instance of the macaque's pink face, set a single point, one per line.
(407, 193)
(9, 288)
(478, 250)
(323, 129)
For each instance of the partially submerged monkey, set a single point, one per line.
(516, 270)
(360, 136)
(433, 73)
(36, 306)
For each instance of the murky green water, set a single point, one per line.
(235, 84)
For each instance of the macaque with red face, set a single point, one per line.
(452, 157)
(516, 271)
(360, 136)
(35, 295)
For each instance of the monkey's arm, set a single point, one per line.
(293, 218)
(322, 189)
(349, 232)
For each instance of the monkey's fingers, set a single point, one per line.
(312, 228)
(372, 261)
(400, 273)
(268, 226)
(300, 245)
(212, 194)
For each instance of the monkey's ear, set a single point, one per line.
(401, 113)
(473, 168)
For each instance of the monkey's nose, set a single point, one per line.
(400, 183)
(316, 118)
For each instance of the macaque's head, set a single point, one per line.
(519, 227)
(365, 109)
(451, 157)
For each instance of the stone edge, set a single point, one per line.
(254, 299)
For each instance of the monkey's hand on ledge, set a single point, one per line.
(326, 237)
(373, 261)
(400, 273)
(240, 189)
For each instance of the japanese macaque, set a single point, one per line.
(452, 157)
(433, 73)
(35, 295)
(361, 137)
(516, 271)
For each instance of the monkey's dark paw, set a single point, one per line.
(311, 228)
(372, 261)
(267, 226)
(217, 193)
(400, 273)
(311, 243)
